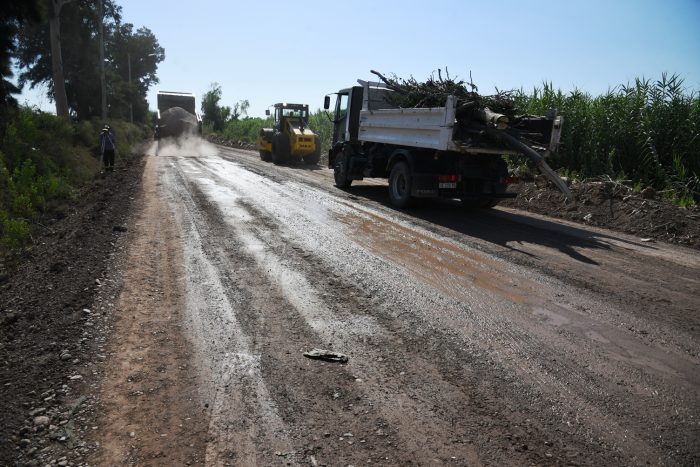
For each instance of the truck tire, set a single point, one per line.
(400, 181)
(314, 157)
(340, 171)
(265, 156)
(280, 149)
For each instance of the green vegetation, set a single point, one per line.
(233, 123)
(648, 132)
(215, 116)
(43, 161)
(246, 129)
(322, 124)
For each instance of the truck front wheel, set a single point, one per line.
(340, 171)
(400, 181)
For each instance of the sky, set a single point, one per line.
(299, 51)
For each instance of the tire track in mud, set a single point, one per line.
(332, 411)
(492, 390)
(549, 247)
(591, 384)
(230, 367)
(679, 341)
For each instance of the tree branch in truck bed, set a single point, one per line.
(433, 92)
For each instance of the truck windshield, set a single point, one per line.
(295, 113)
(341, 106)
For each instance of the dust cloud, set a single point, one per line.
(183, 146)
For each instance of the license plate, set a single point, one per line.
(448, 185)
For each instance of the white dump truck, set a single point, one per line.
(430, 152)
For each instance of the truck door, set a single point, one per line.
(340, 123)
(278, 120)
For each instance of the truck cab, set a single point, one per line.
(346, 115)
(349, 102)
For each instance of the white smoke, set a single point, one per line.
(183, 146)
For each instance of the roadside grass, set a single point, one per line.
(44, 161)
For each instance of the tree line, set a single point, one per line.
(73, 47)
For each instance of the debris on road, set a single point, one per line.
(326, 355)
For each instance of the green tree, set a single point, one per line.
(134, 58)
(14, 15)
(240, 109)
(79, 27)
(59, 81)
(212, 113)
(320, 122)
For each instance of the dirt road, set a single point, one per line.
(494, 338)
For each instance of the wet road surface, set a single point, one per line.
(473, 337)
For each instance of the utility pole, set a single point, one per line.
(103, 88)
(131, 96)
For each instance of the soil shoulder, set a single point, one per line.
(613, 206)
(55, 314)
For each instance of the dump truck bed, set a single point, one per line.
(425, 128)
(429, 128)
(170, 99)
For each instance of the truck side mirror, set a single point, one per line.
(267, 112)
(327, 102)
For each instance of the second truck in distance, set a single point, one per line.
(177, 115)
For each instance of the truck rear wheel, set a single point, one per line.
(400, 182)
(265, 156)
(340, 171)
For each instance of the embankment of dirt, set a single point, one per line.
(612, 205)
(231, 143)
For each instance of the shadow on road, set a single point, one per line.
(499, 227)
